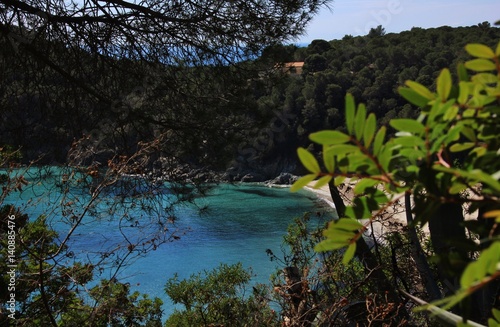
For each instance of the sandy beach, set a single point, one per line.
(392, 220)
(322, 193)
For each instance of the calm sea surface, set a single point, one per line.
(232, 223)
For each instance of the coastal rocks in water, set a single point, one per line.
(283, 179)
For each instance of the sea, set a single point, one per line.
(229, 223)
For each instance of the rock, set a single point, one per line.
(284, 179)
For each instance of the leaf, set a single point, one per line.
(480, 65)
(341, 149)
(339, 180)
(303, 181)
(458, 147)
(308, 160)
(420, 89)
(350, 112)
(363, 184)
(497, 51)
(469, 275)
(339, 235)
(492, 214)
(463, 93)
(349, 253)
(323, 181)
(413, 97)
(362, 208)
(463, 76)
(485, 78)
(348, 224)
(410, 141)
(329, 245)
(457, 188)
(444, 84)
(328, 160)
(496, 312)
(379, 139)
(329, 137)
(359, 122)
(480, 51)
(408, 125)
(469, 133)
(369, 133)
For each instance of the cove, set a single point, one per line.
(231, 223)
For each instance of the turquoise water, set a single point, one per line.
(232, 223)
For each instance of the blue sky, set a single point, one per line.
(356, 17)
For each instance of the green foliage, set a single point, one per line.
(448, 155)
(218, 297)
(318, 296)
(51, 293)
(495, 321)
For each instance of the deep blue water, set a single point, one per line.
(232, 223)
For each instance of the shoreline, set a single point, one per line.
(323, 193)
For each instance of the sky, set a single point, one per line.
(356, 17)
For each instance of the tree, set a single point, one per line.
(218, 297)
(446, 160)
(376, 31)
(127, 71)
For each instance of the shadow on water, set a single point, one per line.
(260, 192)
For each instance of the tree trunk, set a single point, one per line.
(368, 259)
(418, 255)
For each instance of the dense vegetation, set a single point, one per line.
(237, 112)
(371, 68)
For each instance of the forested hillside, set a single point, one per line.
(246, 119)
(370, 67)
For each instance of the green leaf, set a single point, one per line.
(340, 149)
(444, 84)
(339, 235)
(456, 188)
(359, 122)
(451, 113)
(323, 181)
(497, 53)
(303, 181)
(463, 76)
(463, 93)
(379, 140)
(458, 147)
(350, 112)
(328, 160)
(362, 208)
(369, 133)
(469, 133)
(479, 51)
(363, 184)
(329, 245)
(339, 180)
(469, 276)
(308, 160)
(420, 89)
(480, 65)
(329, 137)
(410, 141)
(349, 253)
(496, 312)
(348, 224)
(413, 97)
(485, 78)
(408, 125)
